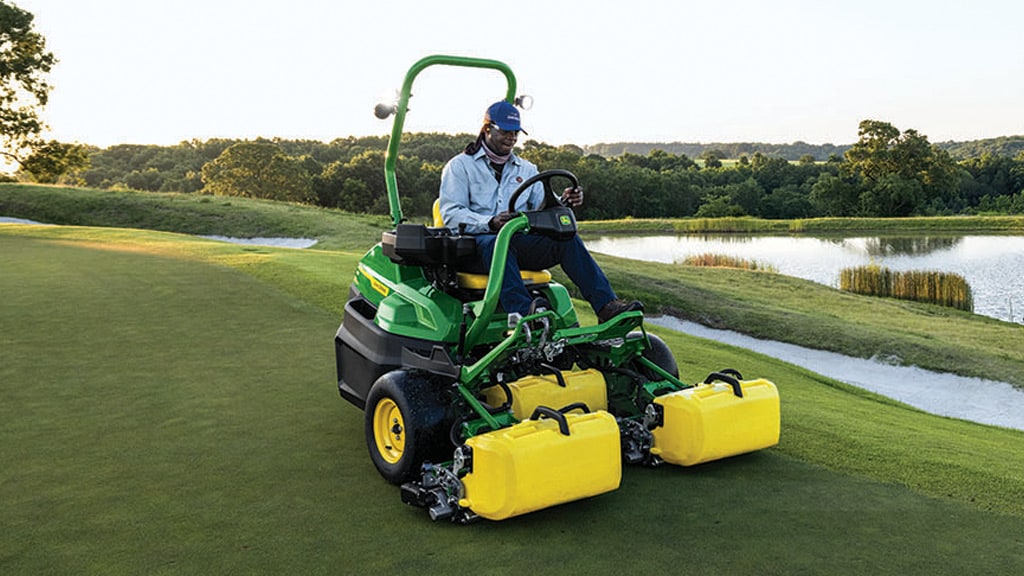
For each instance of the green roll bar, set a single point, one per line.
(402, 106)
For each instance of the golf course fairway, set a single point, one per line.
(170, 407)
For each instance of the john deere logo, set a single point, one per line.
(564, 220)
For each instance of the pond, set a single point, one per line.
(992, 265)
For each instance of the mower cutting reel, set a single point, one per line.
(479, 413)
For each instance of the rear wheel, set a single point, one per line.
(406, 424)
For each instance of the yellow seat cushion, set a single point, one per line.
(479, 281)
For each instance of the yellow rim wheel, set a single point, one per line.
(389, 430)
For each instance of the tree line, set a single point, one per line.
(888, 172)
(1001, 146)
(793, 151)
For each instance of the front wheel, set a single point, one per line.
(406, 424)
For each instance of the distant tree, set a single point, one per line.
(150, 180)
(712, 158)
(806, 160)
(353, 196)
(24, 91)
(548, 157)
(719, 206)
(747, 195)
(758, 161)
(893, 195)
(358, 185)
(433, 146)
(1017, 172)
(1013, 204)
(259, 170)
(426, 182)
(899, 173)
(832, 195)
(1007, 146)
(681, 193)
(178, 168)
(787, 202)
(662, 161)
(772, 173)
(56, 162)
(991, 175)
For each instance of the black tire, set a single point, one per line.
(660, 354)
(406, 424)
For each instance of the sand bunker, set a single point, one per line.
(974, 399)
(260, 241)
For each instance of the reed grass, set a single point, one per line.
(726, 261)
(942, 288)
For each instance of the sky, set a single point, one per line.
(163, 72)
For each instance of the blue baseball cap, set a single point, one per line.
(505, 116)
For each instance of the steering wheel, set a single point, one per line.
(550, 199)
(555, 220)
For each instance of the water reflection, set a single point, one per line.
(992, 265)
(904, 246)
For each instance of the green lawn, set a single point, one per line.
(169, 406)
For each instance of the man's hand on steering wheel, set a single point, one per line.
(572, 197)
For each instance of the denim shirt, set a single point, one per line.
(470, 193)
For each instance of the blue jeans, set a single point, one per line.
(542, 252)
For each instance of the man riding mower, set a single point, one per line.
(479, 412)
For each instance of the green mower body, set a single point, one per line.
(479, 413)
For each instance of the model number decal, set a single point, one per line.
(376, 284)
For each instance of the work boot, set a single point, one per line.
(616, 307)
